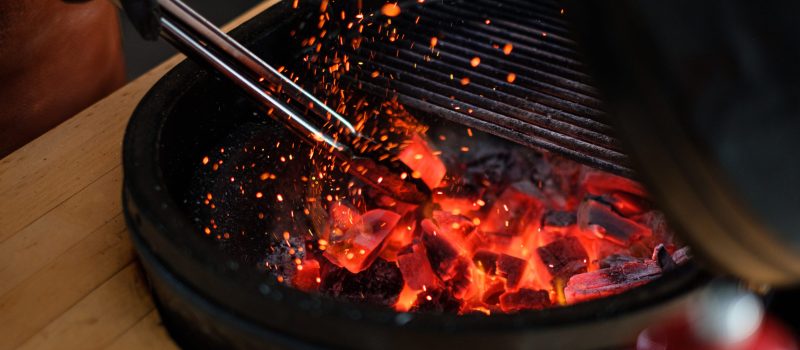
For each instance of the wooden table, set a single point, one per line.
(68, 273)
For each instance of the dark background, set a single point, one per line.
(142, 55)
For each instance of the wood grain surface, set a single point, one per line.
(68, 273)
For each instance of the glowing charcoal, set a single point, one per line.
(437, 301)
(342, 216)
(598, 248)
(511, 268)
(615, 260)
(491, 296)
(476, 240)
(420, 158)
(610, 281)
(416, 268)
(627, 197)
(459, 198)
(563, 257)
(498, 167)
(556, 223)
(459, 277)
(380, 284)
(307, 276)
(441, 253)
(558, 218)
(558, 180)
(626, 204)
(452, 225)
(600, 183)
(593, 213)
(513, 211)
(402, 235)
(524, 299)
(499, 239)
(390, 203)
(504, 231)
(361, 243)
(486, 260)
(406, 299)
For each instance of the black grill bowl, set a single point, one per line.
(209, 299)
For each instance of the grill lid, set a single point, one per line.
(709, 107)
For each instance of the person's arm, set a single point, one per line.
(56, 58)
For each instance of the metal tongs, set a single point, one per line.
(198, 38)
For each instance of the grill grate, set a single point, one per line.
(551, 104)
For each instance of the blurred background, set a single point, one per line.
(142, 55)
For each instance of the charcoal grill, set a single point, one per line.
(211, 297)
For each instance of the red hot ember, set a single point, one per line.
(504, 233)
(357, 248)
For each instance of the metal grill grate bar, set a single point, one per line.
(491, 99)
(494, 123)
